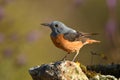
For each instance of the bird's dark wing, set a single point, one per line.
(78, 36)
(87, 34)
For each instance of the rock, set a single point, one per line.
(61, 70)
(104, 77)
(106, 69)
(67, 70)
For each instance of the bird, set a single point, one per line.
(68, 39)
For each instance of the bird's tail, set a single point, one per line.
(90, 41)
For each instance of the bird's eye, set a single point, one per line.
(56, 25)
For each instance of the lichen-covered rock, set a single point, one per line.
(61, 70)
(66, 70)
(106, 69)
(104, 77)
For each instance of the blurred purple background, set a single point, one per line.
(25, 43)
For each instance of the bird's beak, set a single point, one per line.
(45, 24)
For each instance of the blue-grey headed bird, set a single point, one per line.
(67, 38)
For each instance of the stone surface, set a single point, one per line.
(106, 69)
(104, 77)
(61, 70)
(66, 70)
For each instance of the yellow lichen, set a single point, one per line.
(88, 73)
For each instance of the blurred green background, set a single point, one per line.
(24, 43)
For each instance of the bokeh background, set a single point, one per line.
(24, 43)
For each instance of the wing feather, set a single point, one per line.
(78, 36)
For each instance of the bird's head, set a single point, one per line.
(58, 27)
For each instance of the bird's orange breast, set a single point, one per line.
(66, 45)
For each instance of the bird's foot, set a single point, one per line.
(64, 58)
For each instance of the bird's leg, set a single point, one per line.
(65, 56)
(75, 55)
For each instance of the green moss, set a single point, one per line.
(76, 71)
(89, 74)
